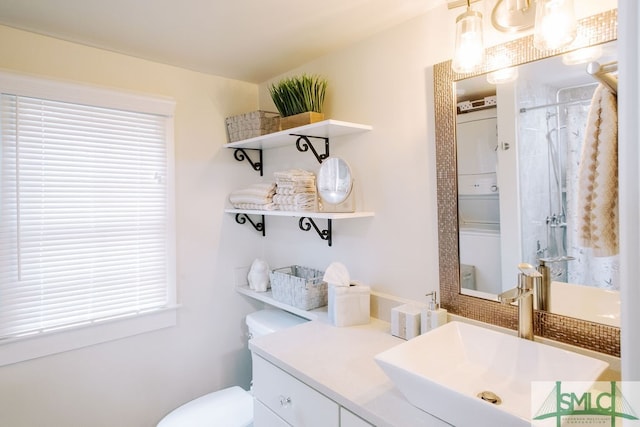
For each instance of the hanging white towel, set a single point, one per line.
(598, 183)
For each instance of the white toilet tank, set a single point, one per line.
(264, 322)
(233, 406)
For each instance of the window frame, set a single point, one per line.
(96, 332)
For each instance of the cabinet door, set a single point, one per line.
(264, 417)
(348, 419)
(477, 141)
(291, 399)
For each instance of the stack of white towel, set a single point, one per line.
(257, 196)
(295, 191)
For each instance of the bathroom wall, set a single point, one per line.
(629, 96)
(135, 381)
(384, 81)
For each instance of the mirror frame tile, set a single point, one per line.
(597, 29)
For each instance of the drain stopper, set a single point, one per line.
(490, 397)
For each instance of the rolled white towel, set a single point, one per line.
(264, 186)
(310, 207)
(262, 189)
(291, 192)
(293, 175)
(255, 206)
(257, 193)
(295, 185)
(242, 198)
(296, 199)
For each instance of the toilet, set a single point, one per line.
(233, 406)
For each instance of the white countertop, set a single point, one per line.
(338, 362)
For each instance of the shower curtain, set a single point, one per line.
(536, 132)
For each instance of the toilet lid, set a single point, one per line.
(266, 321)
(231, 407)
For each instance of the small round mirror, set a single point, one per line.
(334, 180)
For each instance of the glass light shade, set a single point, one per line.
(503, 75)
(582, 56)
(556, 25)
(517, 5)
(469, 50)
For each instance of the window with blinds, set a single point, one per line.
(84, 215)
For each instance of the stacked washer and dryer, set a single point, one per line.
(478, 201)
(233, 406)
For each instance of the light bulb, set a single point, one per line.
(503, 75)
(582, 56)
(469, 50)
(556, 24)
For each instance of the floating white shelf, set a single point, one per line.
(300, 214)
(300, 136)
(306, 219)
(324, 129)
(267, 298)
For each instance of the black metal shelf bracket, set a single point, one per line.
(240, 154)
(304, 144)
(306, 223)
(242, 218)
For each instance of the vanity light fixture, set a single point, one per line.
(504, 72)
(503, 75)
(511, 16)
(554, 22)
(556, 25)
(582, 56)
(469, 50)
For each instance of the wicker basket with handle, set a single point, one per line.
(301, 287)
(252, 124)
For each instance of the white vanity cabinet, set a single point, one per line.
(316, 374)
(349, 419)
(265, 417)
(282, 400)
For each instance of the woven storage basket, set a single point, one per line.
(301, 287)
(252, 124)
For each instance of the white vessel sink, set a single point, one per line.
(442, 372)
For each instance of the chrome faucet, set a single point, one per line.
(543, 286)
(523, 296)
(543, 292)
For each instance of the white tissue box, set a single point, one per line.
(405, 321)
(349, 305)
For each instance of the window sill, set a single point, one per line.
(32, 347)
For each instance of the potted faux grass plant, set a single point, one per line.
(299, 99)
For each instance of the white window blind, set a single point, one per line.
(83, 214)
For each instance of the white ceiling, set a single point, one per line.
(250, 40)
